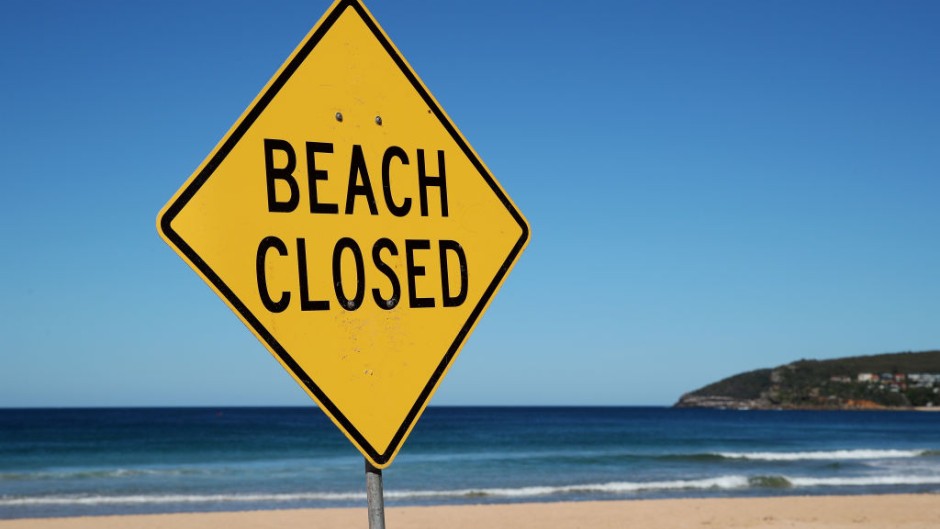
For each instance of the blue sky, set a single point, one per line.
(712, 187)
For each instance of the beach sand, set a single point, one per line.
(831, 512)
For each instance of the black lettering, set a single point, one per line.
(425, 181)
(357, 166)
(305, 303)
(286, 173)
(449, 300)
(266, 244)
(393, 152)
(344, 244)
(314, 175)
(411, 245)
(386, 303)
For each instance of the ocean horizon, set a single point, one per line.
(93, 461)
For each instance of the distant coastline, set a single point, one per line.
(895, 381)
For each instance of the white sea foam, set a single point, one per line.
(864, 481)
(824, 455)
(723, 482)
(157, 499)
(729, 482)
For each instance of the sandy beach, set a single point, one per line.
(830, 512)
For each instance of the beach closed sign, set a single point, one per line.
(352, 228)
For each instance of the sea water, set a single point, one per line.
(66, 462)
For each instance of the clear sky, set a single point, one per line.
(712, 187)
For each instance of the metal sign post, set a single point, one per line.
(374, 497)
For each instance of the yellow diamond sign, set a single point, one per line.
(352, 228)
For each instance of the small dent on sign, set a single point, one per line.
(378, 120)
(391, 303)
(368, 372)
(351, 304)
(339, 116)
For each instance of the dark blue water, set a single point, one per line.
(108, 461)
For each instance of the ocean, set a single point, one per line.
(69, 462)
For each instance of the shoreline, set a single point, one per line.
(909, 511)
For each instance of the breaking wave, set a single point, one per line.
(825, 455)
(730, 482)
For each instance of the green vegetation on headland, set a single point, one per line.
(886, 381)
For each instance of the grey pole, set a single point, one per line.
(374, 497)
